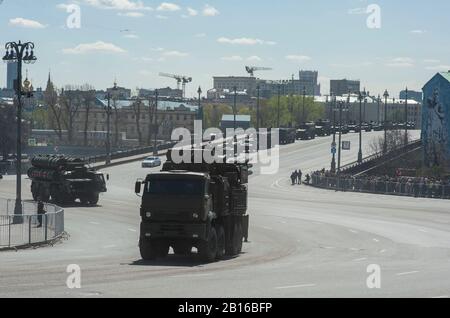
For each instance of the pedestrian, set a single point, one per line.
(296, 177)
(293, 178)
(300, 175)
(308, 179)
(40, 211)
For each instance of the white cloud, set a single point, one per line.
(161, 17)
(175, 54)
(157, 49)
(401, 62)
(357, 11)
(200, 35)
(244, 41)
(418, 32)
(254, 58)
(431, 61)
(118, 5)
(209, 11)
(439, 68)
(234, 58)
(131, 14)
(131, 36)
(192, 12)
(167, 6)
(25, 23)
(98, 46)
(298, 58)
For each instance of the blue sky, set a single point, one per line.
(135, 40)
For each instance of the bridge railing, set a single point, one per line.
(408, 187)
(30, 227)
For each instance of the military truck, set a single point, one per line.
(287, 136)
(64, 180)
(323, 128)
(306, 131)
(194, 205)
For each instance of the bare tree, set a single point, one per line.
(88, 103)
(57, 114)
(137, 109)
(70, 103)
(395, 140)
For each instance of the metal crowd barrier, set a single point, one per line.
(412, 189)
(29, 227)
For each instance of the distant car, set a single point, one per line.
(151, 162)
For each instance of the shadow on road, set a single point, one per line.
(176, 260)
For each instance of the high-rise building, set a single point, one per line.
(414, 95)
(308, 81)
(11, 75)
(343, 87)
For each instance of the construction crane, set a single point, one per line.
(252, 69)
(181, 80)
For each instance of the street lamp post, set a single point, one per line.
(406, 117)
(200, 108)
(333, 146)
(278, 108)
(20, 53)
(258, 90)
(386, 95)
(155, 143)
(340, 136)
(234, 108)
(108, 125)
(303, 112)
(360, 98)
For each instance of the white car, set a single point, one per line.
(151, 162)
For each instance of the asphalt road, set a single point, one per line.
(304, 242)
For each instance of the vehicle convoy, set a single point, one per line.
(306, 131)
(197, 205)
(287, 136)
(64, 180)
(323, 128)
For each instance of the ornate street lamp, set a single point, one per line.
(258, 90)
(20, 53)
(333, 145)
(406, 117)
(361, 97)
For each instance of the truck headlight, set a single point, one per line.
(148, 214)
(195, 216)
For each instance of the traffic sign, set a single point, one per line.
(346, 145)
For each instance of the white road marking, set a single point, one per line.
(296, 286)
(423, 231)
(191, 276)
(407, 273)
(376, 240)
(132, 230)
(328, 247)
(353, 231)
(94, 223)
(383, 251)
(354, 249)
(438, 297)
(282, 222)
(360, 259)
(267, 228)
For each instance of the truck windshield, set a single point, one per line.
(175, 187)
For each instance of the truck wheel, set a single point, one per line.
(220, 242)
(208, 249)
(147, 249)
(237, 238)
(93, 199)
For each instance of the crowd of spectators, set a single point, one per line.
(401, 185)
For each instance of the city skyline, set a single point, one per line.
(196, 38)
